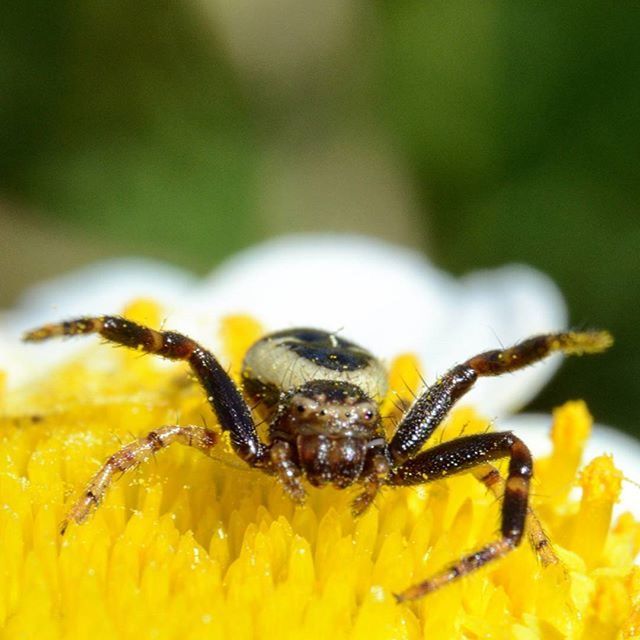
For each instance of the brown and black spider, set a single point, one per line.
(324, 396)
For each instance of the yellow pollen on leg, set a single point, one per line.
(579, 343)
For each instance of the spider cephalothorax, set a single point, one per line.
(322, 394)
(333, 429)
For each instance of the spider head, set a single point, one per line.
(333, 424)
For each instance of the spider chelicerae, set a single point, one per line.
(323, 394)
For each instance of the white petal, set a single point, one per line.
(499, 308)
(391, 300)
(103, 287)
(534, 430)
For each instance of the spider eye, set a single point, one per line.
(368, 414)
(301, 408)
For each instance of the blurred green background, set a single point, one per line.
(483, 133)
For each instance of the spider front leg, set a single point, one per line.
(432, 406)
(132, 455)
(461, 455)
(228, 404)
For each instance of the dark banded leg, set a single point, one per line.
(233, 413)
(538, 539)
(129, 457)
(433, 405)
(461, 455)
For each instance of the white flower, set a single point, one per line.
(389, 299)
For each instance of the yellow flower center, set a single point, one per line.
(189, 547)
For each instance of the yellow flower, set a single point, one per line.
(186, 547)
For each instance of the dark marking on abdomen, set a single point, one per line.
(324, 349)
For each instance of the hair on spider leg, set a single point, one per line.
(221, 456)
(204, 420)
(635, 483)
(581, 326)
(261, 422)
(488, 428)
(389, 424)
(382, 490)
(491, 425)
(177, 416)
(463, 428)
(441, 431)
(412, 393)
(404, 405)
(496, 336)
(537, 495)
(498, 497)
(400, 405)
(423, 380)
(141, 354)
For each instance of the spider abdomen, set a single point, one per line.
(286, 360)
